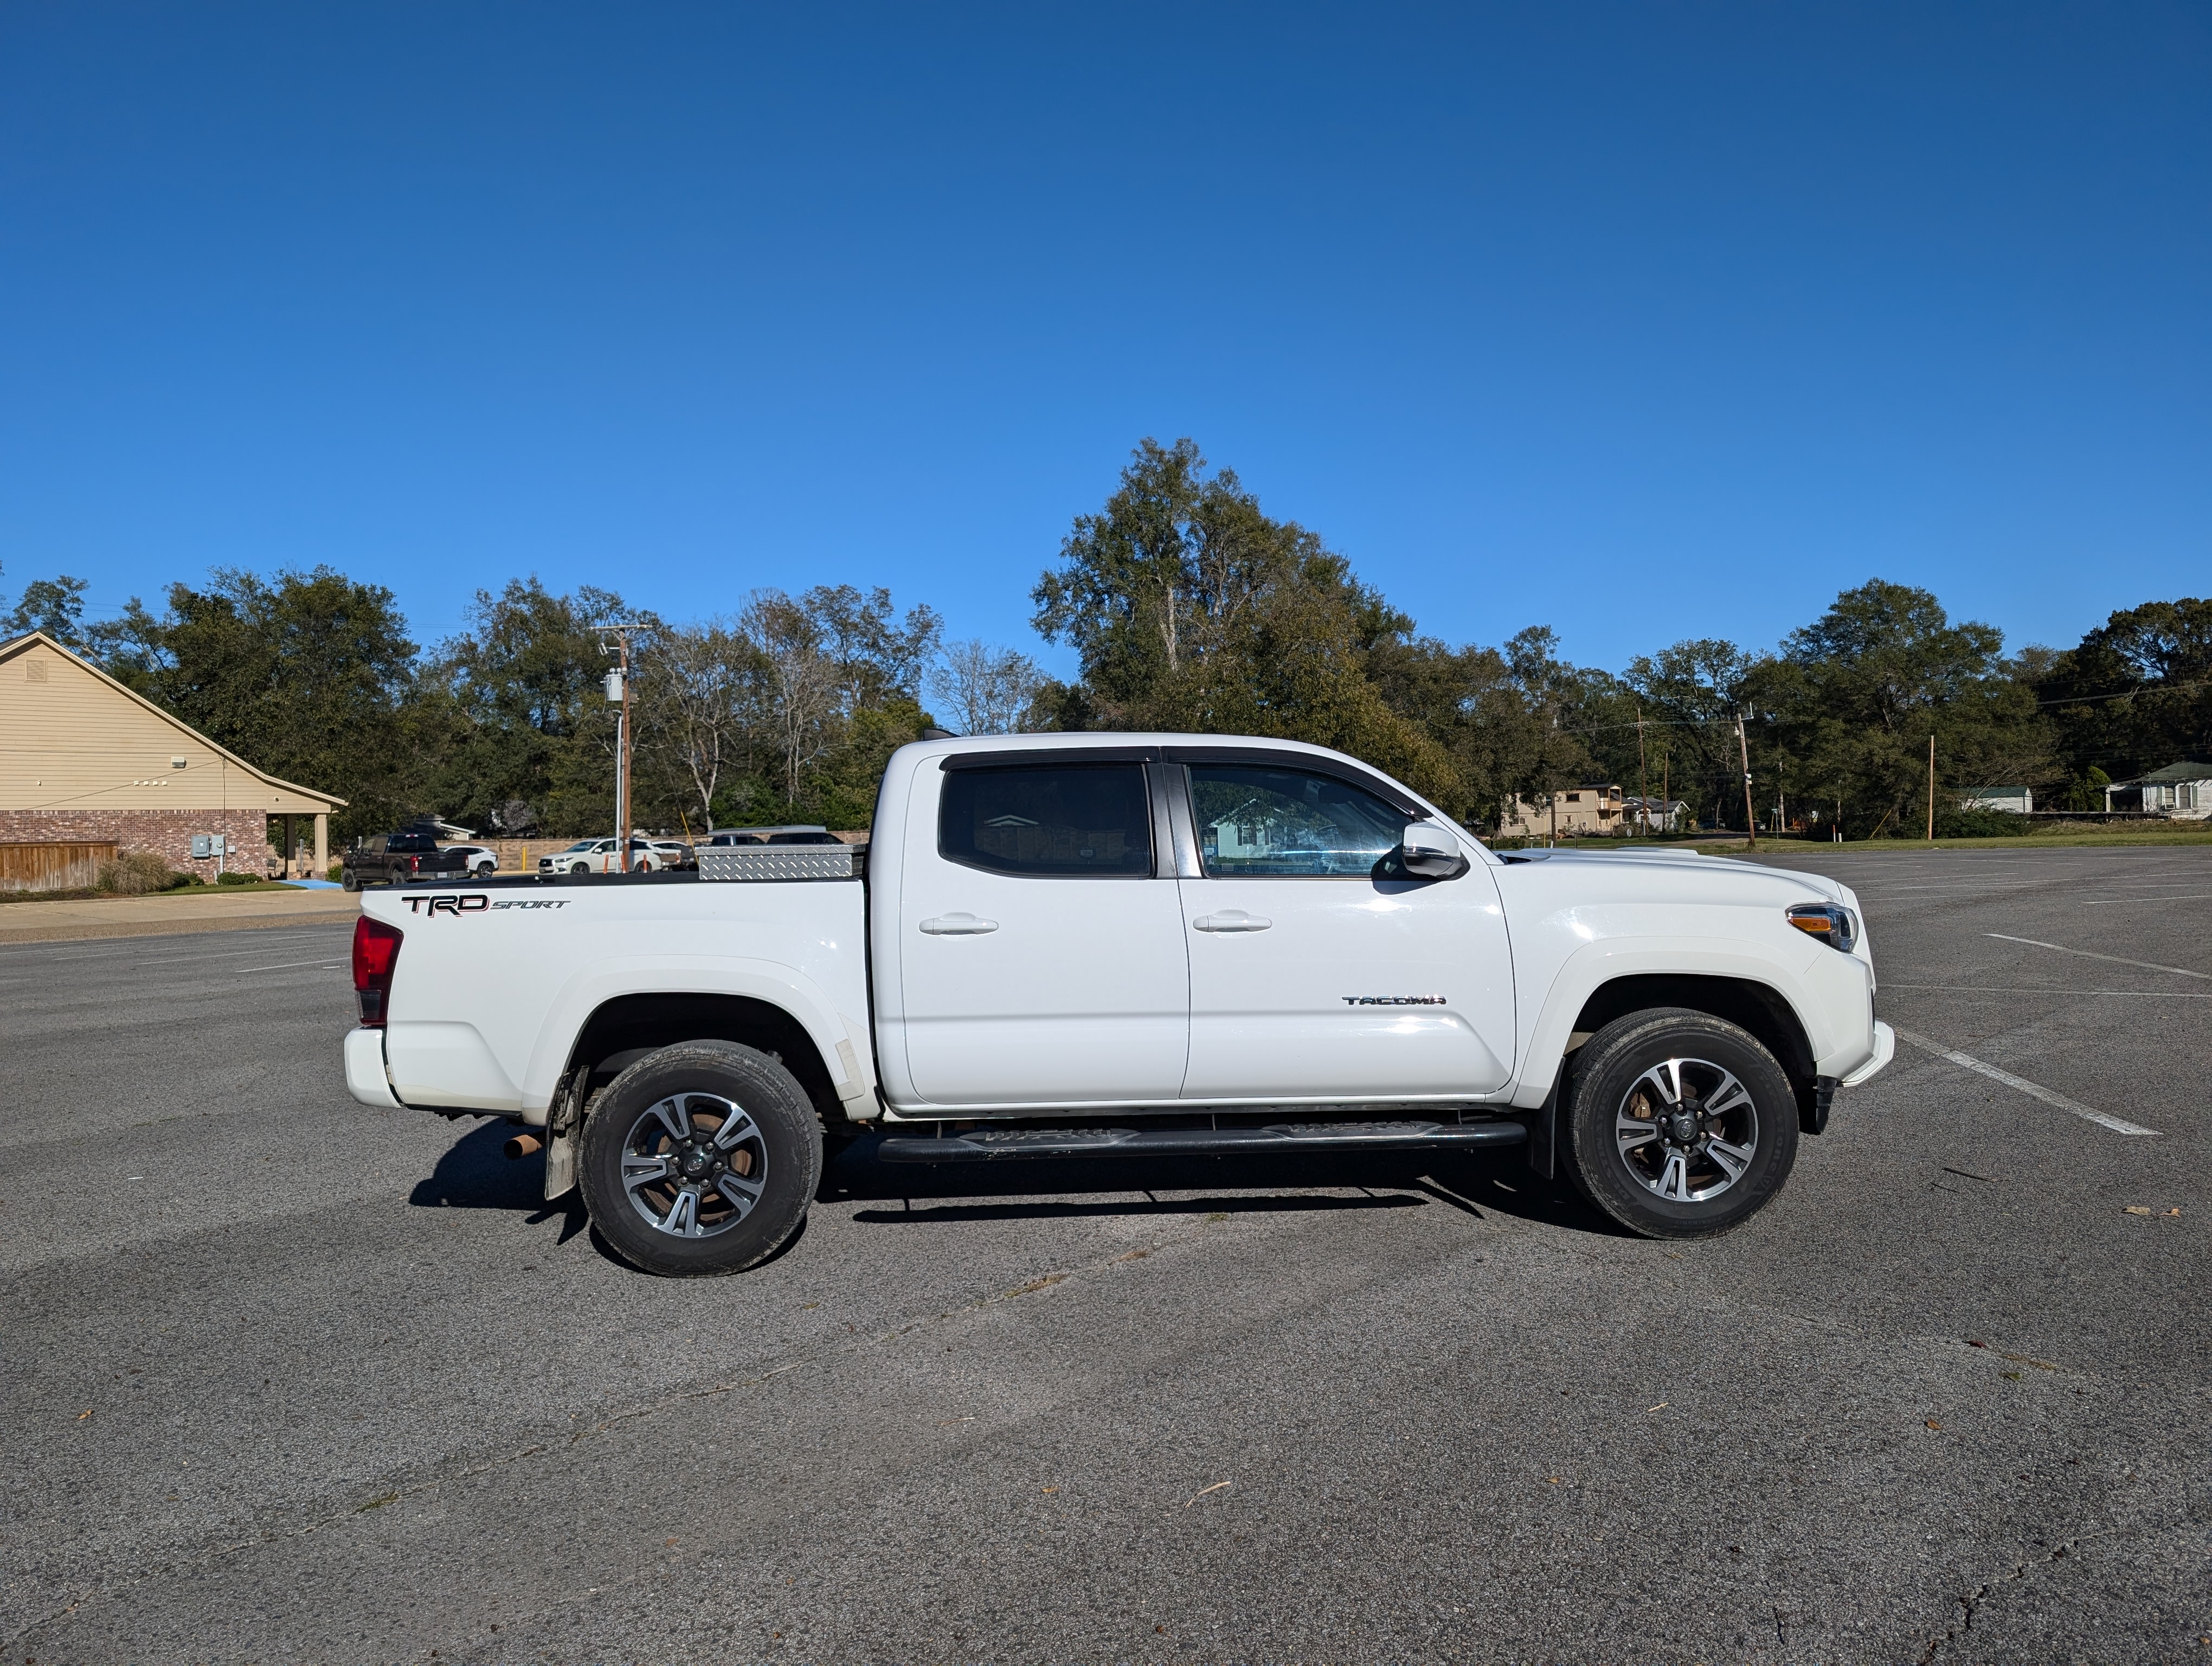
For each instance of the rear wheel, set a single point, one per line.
(1679, 1124)
(700, 1159)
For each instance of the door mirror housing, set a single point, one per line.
(1429, 849)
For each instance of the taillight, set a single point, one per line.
(414, 864)
(376, 955)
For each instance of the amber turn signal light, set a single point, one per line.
(1832, 925)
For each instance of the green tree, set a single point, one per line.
(1859, 692)
(54, 605)
(528, 732)
(1192, 610)
(2135, 695)
(308, 675)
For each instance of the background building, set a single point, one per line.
(84, 760)
(2183, 789)
(1595, 809)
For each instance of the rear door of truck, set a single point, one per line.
(1040, 936)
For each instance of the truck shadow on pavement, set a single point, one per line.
(475, 1173)
(920, 1195)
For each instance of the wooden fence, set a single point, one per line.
(60, 867)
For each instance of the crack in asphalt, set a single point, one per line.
(1971, 1601)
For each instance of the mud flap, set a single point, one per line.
(1543, 1131)
(1813, 1110)
(561, 1129)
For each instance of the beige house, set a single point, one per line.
(84, 761)
(1594, 810)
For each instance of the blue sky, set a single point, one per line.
(1644, 321)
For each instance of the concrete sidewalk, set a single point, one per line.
(200, 909)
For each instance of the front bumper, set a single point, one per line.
(1885, 1049)
(364, 1067)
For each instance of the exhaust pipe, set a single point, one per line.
(522, 1145)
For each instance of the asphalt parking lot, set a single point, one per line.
(289, 1379)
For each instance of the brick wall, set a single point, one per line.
(167, 833)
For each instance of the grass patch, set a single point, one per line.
(2060, 835)
(86, 894)
(2084, 836)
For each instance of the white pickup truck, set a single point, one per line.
(1075, 945)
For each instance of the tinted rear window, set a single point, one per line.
(1064, 820)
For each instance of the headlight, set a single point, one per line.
(1831, 922)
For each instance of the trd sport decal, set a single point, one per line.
(476, 902)
(1393, 1000)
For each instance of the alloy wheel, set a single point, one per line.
(1687, 1130)
(694, 1165)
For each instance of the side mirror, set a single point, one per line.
(1429, 849)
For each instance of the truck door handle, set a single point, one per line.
(1230, 920)
(958, 924)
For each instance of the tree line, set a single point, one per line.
(1188, 608)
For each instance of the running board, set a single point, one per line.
(979, 1145)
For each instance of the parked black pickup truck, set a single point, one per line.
(400, 859)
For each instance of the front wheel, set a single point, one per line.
(1679, 1124)
(700, 1158)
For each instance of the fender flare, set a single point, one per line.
(844, 1052)
(1596, 965)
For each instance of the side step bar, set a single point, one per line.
(983, 1144)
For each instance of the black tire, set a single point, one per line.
(347, 880)
(778, 1145)
(1672, 1182)
(579, 868)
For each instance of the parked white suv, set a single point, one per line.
(601, 856)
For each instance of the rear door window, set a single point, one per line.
(1048, 820)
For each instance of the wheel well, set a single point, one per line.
(1749, 1004)
(631, 1027)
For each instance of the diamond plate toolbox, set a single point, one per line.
(756, 863)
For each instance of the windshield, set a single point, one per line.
(582, 844)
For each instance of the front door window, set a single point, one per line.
(1289, 823)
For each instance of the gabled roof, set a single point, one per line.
(2187, 770)
(18, 645)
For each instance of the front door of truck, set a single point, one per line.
(1316, 974)
(1040, 960)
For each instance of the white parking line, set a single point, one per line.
(2091, 954)
(1969, 1061)
(286, 965)
(2030, 989)
(2110, 901)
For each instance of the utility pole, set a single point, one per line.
(1750, 820)
(1642, 773)
(617, 689)
(1931, 789)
